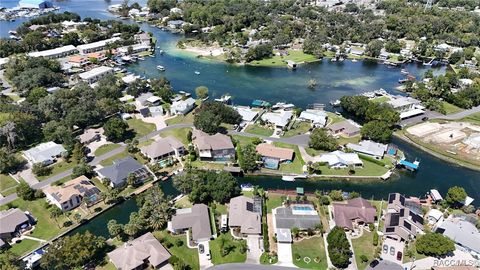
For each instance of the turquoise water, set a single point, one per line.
(302, 208)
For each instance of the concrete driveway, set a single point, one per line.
(285, 257)
(254, 252)
(396, 245)
(204, 258)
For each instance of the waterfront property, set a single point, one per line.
(272, 156)
(78, 61)
(248, 115)
(182, 107)
(434, 216)
(278, 119)
(13, 222)
(73, 193)
(95, 74)
(196, 218)
(345, 128)
(140, 253)
(96, 46)
(406, 106)
(369, 148)
(463, 233)
(55, 53)
(163, 148)
(217, 147)
(340, 160)
(245, 215)
(117, 173)
(44, 153)
(301, 216)
(318, 118)
(353, 213)
(403, 219)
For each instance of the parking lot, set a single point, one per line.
(390, 249)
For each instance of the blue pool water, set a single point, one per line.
(302, 208)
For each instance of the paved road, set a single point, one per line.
(243, 266)
(460, 115)
(94, 162)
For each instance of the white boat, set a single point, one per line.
(354, 60)
(404, 72)
(334, 60)
(161, 51)
(335, 103)
(161, 68)
(197, 72)
(288, 178)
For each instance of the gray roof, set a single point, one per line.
(197, 217)
(369, 147)
(10, 219)
(133, 254)
(161, 147)
(44, 151)
(462, 232)
(285, 219)
(121, 168)
(242, 214)
(142, 99)
(344, 125)
(284, 235)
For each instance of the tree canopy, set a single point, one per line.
(321, 140)
(211, 114)
(456, 196)
(339, 248)
(434, 244)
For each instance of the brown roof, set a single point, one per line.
(89, 134)
(133, 254)
(344, 125)
(268, 150)
(241, 214)
(96, 55)
(78, 186)
(197, 218)
(76, 58)
(356, 209)
(161, 147)
(211, 142)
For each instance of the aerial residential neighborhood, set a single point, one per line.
(240, 134)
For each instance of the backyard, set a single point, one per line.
(234, 256)
(188, 255)
(259, 130)
(274, 201)
(311, 253)
(296, 166)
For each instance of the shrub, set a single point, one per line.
(375, 238)
(39, 194)
(40, 170)
(179, 242)
(364, 258)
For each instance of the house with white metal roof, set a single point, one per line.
(95, 74)
(55, 53)
(463, 233)
(318, 118)
(182, 106)
(338, 159)
(44, 153)
(96, 46)
(369, 148)
(279, 119)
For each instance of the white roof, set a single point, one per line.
(3, 61)
(56, 51)
(468, 200)
(135, 47)
(435, 195)
(473, 140)
(153, 99)
(411, 113)
(401, 101)
(182, 105)
(369, 147)
(339, 157)
(126, 98)
(97, 44)
(316, 116)
(129, 78)
(435, 214)
(462, 232)
(280, 119)
(94, 72)
(44, 152)
(247, 114)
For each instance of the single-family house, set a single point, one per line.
(406, 106)
(403, 219)
(44, 153)
(272, 156)
(344, 128)
(100, 56)
(96, 46)
(279, 119)
(118, 172)
(143, 38)
(245, 214)
(142, 99)
(302, 216)
(318, 118)
(55, 53)
(355, 212)
(182, 106)
(196, 218)
(463, 233)
(248, 115)
(12, 223)
(357, 51)
(163, 148)
(78, 61)
(135, 48)
(72, 193)
(70, 26)
(90, 135)
(338, 159)
(140, 253)
(217, 147)
(369, 148)
(95, 74)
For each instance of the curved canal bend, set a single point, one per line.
(279, 84)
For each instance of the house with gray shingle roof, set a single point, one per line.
(354, 212)
(244, 215)
(302, 216)
(118, 172)
(12, 222)
(163, 148)
(217, 147)
(197, 218)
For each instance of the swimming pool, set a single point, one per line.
(303, 209)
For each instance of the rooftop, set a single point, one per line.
(10, 219)
(285, 218)
(369, 147)
(242, 214)
(340, 158)
(346, 126)
(121, 168)
(94, 72)
(161, 147)
(97, 44)
(44, 151)
(79, 186)
(280, 118)
(205, 141)
(56, 51)
(462, 232)
(269, 150)
(358, 209)
(197, 218)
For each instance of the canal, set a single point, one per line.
(246, 83)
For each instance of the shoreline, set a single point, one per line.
(454, 161)
(320, 177)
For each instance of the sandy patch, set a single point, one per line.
(424, 129)
(205, 51)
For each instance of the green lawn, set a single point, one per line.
(281, 61)
(59, 167)
(369, 169)
(344, 140)
(105, 149)
(313, 249)
(473, 118)
(259, 130)
(109, 161)
(450, 108)
(334, 118)
(179, 133)
(99, 184)
(243, 140)
(380, 99)
(297, 129)
(140, 128)
(207, 165)
(183, 203)
(188, 255)
(363, 246)
(180, 119)
(6, 181)
(235, 256)
(24, 247)
(296, 166)
(273, 201)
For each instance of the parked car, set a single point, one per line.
(385, 249)
(201, 249)
(392, 251)
(399, 255)
(374, 263)
(424, 118)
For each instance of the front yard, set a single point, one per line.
(7, 184)
(364, 246)
(140, 128)
(298, 128)
(226, 241)
(59, 167)
(259, 130)
(105, 149)
(311, 253)
(179, 133)
(188, 255)
(180, 119)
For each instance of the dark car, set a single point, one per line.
(424, 118)
(201, 248)
(399, 256)
(374, 263)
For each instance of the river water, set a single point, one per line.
(275, 85)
